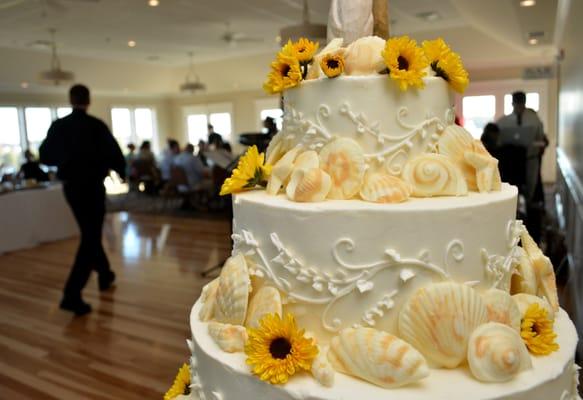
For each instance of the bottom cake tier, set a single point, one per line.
(217, 375)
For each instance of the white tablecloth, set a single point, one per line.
(31, 217)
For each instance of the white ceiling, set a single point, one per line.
(487, 33)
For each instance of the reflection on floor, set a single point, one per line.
(134, 341)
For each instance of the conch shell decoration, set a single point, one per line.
(524, 278)
(281, 171)
(377, 357)
(496, 353)
(343, 159)
(322, 370)
(434, 175)
(230, 338)
(363, 56)
(309, 185)
(439, 319)
(480, 169)
(233, 291)
(502, 308)
(208, 298)
(379, 187)
(267, 300)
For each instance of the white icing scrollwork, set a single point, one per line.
(326, 288)
(499, 269)
(573, 392)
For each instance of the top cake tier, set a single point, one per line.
(390, 125)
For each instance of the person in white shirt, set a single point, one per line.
(168, 157)
(192, 167)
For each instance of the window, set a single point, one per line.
(133, 125)
(38, 121)
(63, 111)
(532, 101)
(221, 123)
(197, 128)
(477, 112)
(219, 115)
(10, 138)
(269, 107)
(275, 113)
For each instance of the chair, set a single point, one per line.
(178, 187)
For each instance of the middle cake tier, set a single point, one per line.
(344, 263)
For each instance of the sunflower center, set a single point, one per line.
(186, 390)
(536, 328)
(280, 348)
(285, 70)
(403, 63)
(332, 63)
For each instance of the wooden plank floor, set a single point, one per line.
(132, 343)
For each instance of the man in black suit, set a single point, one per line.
(84, 150)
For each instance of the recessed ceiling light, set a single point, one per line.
(527, 3)
(132, 43)
(533, 41)
(24, 84)
(153, 3)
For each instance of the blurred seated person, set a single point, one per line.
(270, 127)
(227, 147)
(145, 153)
(31, 169)
(193, 168)
(491, 138)
(168, 157)
(130, 158)
(215, 140)
(202, 148)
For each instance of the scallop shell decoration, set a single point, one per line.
(496, 353)
(208, 298)
(230, 338)
(377, 357)
(524, 278)
(281, 171)
(322, 370)
(267, 300)
(438, 320)
(309, 185)
(307, 160)
(479, 168)
(233, 291)
(502, 308)
(434, 175)
(523, 301)
(343, 159)
(384, 188)
(543, 269)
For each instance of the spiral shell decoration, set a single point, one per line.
(343, 159)
(384, 188)
(281, 171)
(309, 185)
(322, 370)
(230, 338)
(267, 300)
(502, 308)
(496, 353)
(523, 301)
(438, 320)
(434, 175)
(233, 291)
(208, 299)
(377, 357)
(543, 269)
(479, 168)
(524, 279)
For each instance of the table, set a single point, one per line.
(33, 216)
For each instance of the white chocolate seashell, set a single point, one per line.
(384, 188)
(307, 160)
(480, 169)
(543, 269)
(377, 357)
(524, 277)
(281, 171)
(364, 56)
(309, 185)
(343, 159)
(233, 291)
(434, 175)
(322, 370)
(438, 320)
(267, 300)
(334, 47)
(502, 308)
(523, 301)
(230, 338)
(496, 353)
(208, 297)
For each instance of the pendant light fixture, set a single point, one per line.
(55, 74)
(192, 83)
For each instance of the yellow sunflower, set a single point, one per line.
(405, 62)
(446, 64)
(277, 349)
(181, 384)
(536, 330)
(285, 73)
(304, 50)
(332, 65)
(251, 171)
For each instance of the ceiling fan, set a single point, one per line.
(233, 38)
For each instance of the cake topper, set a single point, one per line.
(351, 20)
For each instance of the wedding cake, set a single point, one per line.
(376, 251)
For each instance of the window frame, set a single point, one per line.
(133, 134)
(266, 103)
(208, 109)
